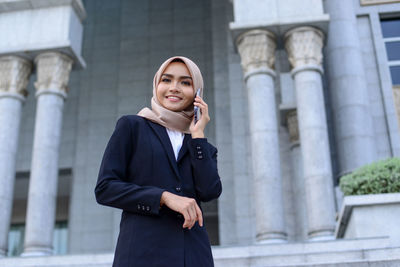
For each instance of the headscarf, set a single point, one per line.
(175, 120)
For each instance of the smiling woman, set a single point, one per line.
(175, 90)
(158, 168)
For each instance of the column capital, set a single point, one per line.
(304, 47)
(293, 126)
(257, 50)
(53, 69)
(14, 74)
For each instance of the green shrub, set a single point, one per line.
(376, 178)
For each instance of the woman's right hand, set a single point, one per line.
(186, 206)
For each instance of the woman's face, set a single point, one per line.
(175, 89)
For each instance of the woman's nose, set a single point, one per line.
(174, 86)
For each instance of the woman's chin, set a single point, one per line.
(177, 108)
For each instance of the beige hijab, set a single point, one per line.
(175, 120)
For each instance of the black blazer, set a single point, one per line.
(137, 166)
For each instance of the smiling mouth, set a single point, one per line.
(174, 98)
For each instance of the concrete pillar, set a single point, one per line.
(53, 71)
(14, 74)
(347, 83)
(297, 181)
(257, 49)
(304, 47)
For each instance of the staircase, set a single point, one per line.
(368, 252)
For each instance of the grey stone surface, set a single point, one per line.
(297, 183)
(244, 210)
(257, 53)
(370, 216)
(227, 209)
(304, 47)
(315, 153)
(44, 175)
(60, 20)
(10, 117)
(377, 105)
(347, 84)
(265, 153)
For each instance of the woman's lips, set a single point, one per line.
(174, 98)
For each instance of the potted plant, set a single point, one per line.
(371, 204)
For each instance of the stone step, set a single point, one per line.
(371, 252)
(321, 253)
(383, 263)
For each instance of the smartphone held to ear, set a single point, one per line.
(197, 109)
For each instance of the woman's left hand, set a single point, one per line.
(197, 130)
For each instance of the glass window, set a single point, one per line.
(15, 240)
(395, 73)
(17, 233)
(391, 37)
(390, 28)
(60, 237)
(393, 50)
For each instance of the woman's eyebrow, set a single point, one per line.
(181, 77)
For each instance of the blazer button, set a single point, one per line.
(198, 147)
(138, 206)
(178, 189)
(200, 157)
(148, 208)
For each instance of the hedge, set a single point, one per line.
(376, 178)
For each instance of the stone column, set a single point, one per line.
(347, 83)
(257, 49)
(53, 71)
(298, 188)
(14, 74)
(304, 47)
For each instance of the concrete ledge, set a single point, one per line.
(16, 5)
(361, 203)
(37, 26)
(280, 26)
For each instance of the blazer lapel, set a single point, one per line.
(184, 147)
(166, 143)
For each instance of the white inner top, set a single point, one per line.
(176, 138)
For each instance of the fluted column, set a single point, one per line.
(257, 49)
(14, 74)
(348, 88)
(53, 71)
(304, 47)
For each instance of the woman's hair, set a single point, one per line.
(178, 60)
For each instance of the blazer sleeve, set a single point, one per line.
(204, 162)
(113, 188)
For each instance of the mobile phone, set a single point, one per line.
(197, 109)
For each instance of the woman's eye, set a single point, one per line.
(165, 80)
(186, 83)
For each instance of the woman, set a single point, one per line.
(157, 168)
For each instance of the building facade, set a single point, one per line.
(300, 93)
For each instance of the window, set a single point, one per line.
(391, 37)
(16, 239)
